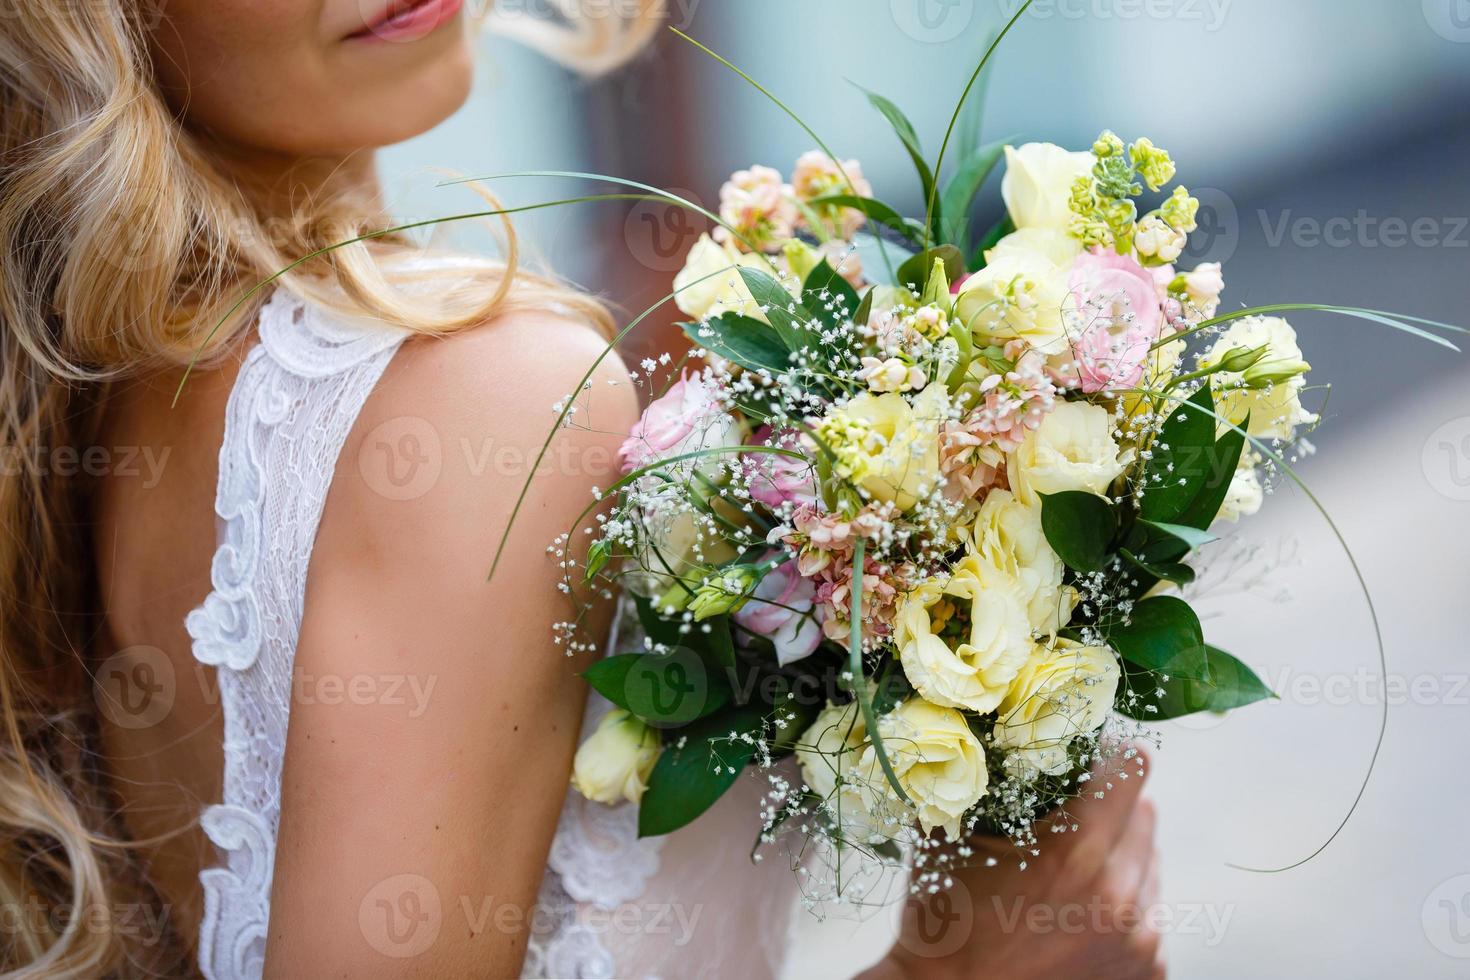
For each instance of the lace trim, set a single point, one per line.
(311, 373)
(597, 861)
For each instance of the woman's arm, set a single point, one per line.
(1076, 910)
(433, 720)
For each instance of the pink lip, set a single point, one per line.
(409, 20)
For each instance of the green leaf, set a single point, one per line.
(959, 194)
(1167, 571)
(597, 557)
(1147, 696)
(789, 318)
(665, 690)
(914, 273)
(908, 136)
(722, 644)
(742, 340)
(830, 296)
(882, 213)
(1080, 527)
(1224, 459)
(696, 767)
(1182, 459)
(1163, 634)
(865, 308)
(656, 627)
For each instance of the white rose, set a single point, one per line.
(1276, 409)
(1008, 533)
(862, 805)
(702, 290)
(1037, 186)
(1073, 449)
(983, 615)
(614, 764)
(1020, 295)
(1063, 691)
(938, 761)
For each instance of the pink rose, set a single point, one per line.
(687, 418)
(1118, 317)
(781, 610)
(775, 479)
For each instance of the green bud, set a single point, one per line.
(1180, 211)
(801, 258)
(1242, 358)
(1153, 163)
(726, 591)
(1107, 145)
(675, 600)
(936, 290)
(1268, 373)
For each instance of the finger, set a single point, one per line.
(1127, 869)
(1096, 821)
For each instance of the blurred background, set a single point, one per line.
(1328, 141)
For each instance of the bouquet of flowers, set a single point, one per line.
(922, 514)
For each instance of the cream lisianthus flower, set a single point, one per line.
(1008, 534)
(1245, 495)
(1065, 690)
(1058, 247)
(962, 638)
(937, 759)
(1037, 186)
(1020, 295)
(1073, 449)
(837, 764)
(887, 446)
(1276, 382)
(702, 290)
(830, 747)
(614, 764)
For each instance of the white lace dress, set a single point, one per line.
(688, 905)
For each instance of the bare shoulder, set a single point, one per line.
(439, 755)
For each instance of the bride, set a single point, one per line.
(305, 536)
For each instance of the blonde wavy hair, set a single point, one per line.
(122, 243)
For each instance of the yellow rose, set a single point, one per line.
(937, 759)
(1008, 534)
(1276, 409)
(1072, 449)
(889, 447)
(1064, 690)
(614, 764)
(702, 290)
(1037, 186)
(982, 613)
